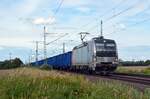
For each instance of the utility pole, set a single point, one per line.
(10, 54)
(45, 49)
(29, 60)
(101, 28)
(63, 47)
(36, 52)
(65, 44)
(29, 57)
(45, 44)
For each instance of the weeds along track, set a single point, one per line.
(139, 81)
(133, 78)
(130, 78)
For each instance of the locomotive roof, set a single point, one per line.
(96, 39)
(102, 40)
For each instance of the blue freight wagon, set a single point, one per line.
(61, 61)
(38, 63)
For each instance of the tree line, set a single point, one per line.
(14, 63)
(134, 63)
(8, 64)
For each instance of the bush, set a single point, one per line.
(147, 71)
(8, 64)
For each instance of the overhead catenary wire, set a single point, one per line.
(132, 25)
(136, 23)
(140, 22)
(45, 44)
(57, 38)
(59, 6)
(66, 43)
(105, 13)
(116, 15)
(55, 13)
(95, 19)
(121, 12)
(143, 21)
(101, 15)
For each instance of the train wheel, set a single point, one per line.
(91, 72)
(104, 73)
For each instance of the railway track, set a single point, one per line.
(141, 80)
(131, 78)
(129, 74)
(144, 80)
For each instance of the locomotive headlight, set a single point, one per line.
(116, 59)
(115, 62)
(94, 58)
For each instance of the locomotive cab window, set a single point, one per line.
(110, 45)
(105, 49)
(99, 46)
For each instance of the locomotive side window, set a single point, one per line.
(100, 44)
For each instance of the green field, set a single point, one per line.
(134, 69)
(31, 83)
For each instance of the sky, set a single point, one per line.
(22, 22)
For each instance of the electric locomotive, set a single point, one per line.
(97, 55)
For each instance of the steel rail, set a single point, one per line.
(131, 78)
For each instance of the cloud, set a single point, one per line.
(27, 6)
(1, 48)
(83, 9)
(41, 20)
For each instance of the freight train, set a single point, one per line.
(98, 55)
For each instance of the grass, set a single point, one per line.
(134, 69)
(31, 83)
